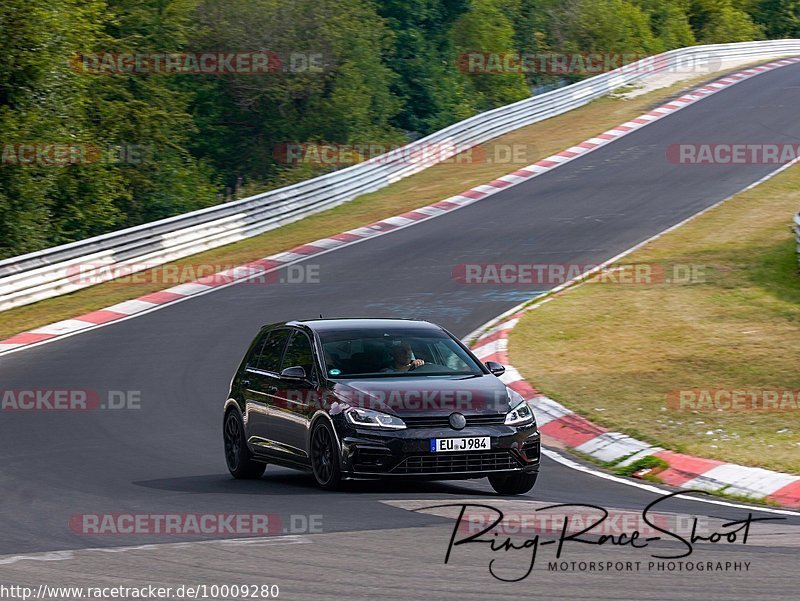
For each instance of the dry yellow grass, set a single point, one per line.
(613, 352)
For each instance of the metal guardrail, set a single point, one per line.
(36, 276)
(797, 237)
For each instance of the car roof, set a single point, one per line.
(339, 324)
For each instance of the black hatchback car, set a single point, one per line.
(376, 398)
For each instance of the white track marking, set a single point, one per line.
(566, 461)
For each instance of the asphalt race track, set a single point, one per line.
(167, 456)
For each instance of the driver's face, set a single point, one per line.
(402, 355)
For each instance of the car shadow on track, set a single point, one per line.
(286, 482)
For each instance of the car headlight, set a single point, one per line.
(521, 412)
(373, 419)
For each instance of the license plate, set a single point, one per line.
(448, 445)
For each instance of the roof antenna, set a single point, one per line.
(320, 316)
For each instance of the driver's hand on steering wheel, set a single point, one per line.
(416, 363)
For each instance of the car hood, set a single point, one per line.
(407, 396)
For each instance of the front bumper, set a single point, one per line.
(369, 453)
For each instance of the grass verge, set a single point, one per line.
(618, 353)
(436, 183)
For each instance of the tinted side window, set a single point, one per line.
(299, 353)
(255, 350)
(269, 357)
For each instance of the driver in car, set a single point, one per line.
(401, 359)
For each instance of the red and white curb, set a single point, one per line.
(618, 449)
(157, 300)
(554, 419)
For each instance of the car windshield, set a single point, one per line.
(406, 352)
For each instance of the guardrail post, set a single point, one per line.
(797, 238)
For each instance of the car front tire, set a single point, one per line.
(515, 484)
(325, 456)
(237, 455)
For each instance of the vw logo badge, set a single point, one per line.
(457, 421)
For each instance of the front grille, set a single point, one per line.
(443, 421)
(448, 463)
(486, 420)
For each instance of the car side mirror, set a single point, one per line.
(496, 368)
(294, 373)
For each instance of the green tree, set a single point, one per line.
(719, 22)
(338, 88)
(351, 72)
(613, 26)
(486, 28)
(150, 112)
(669, 22)
(432, 90)
(779, 18)
(42, 102)
(49, 98)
